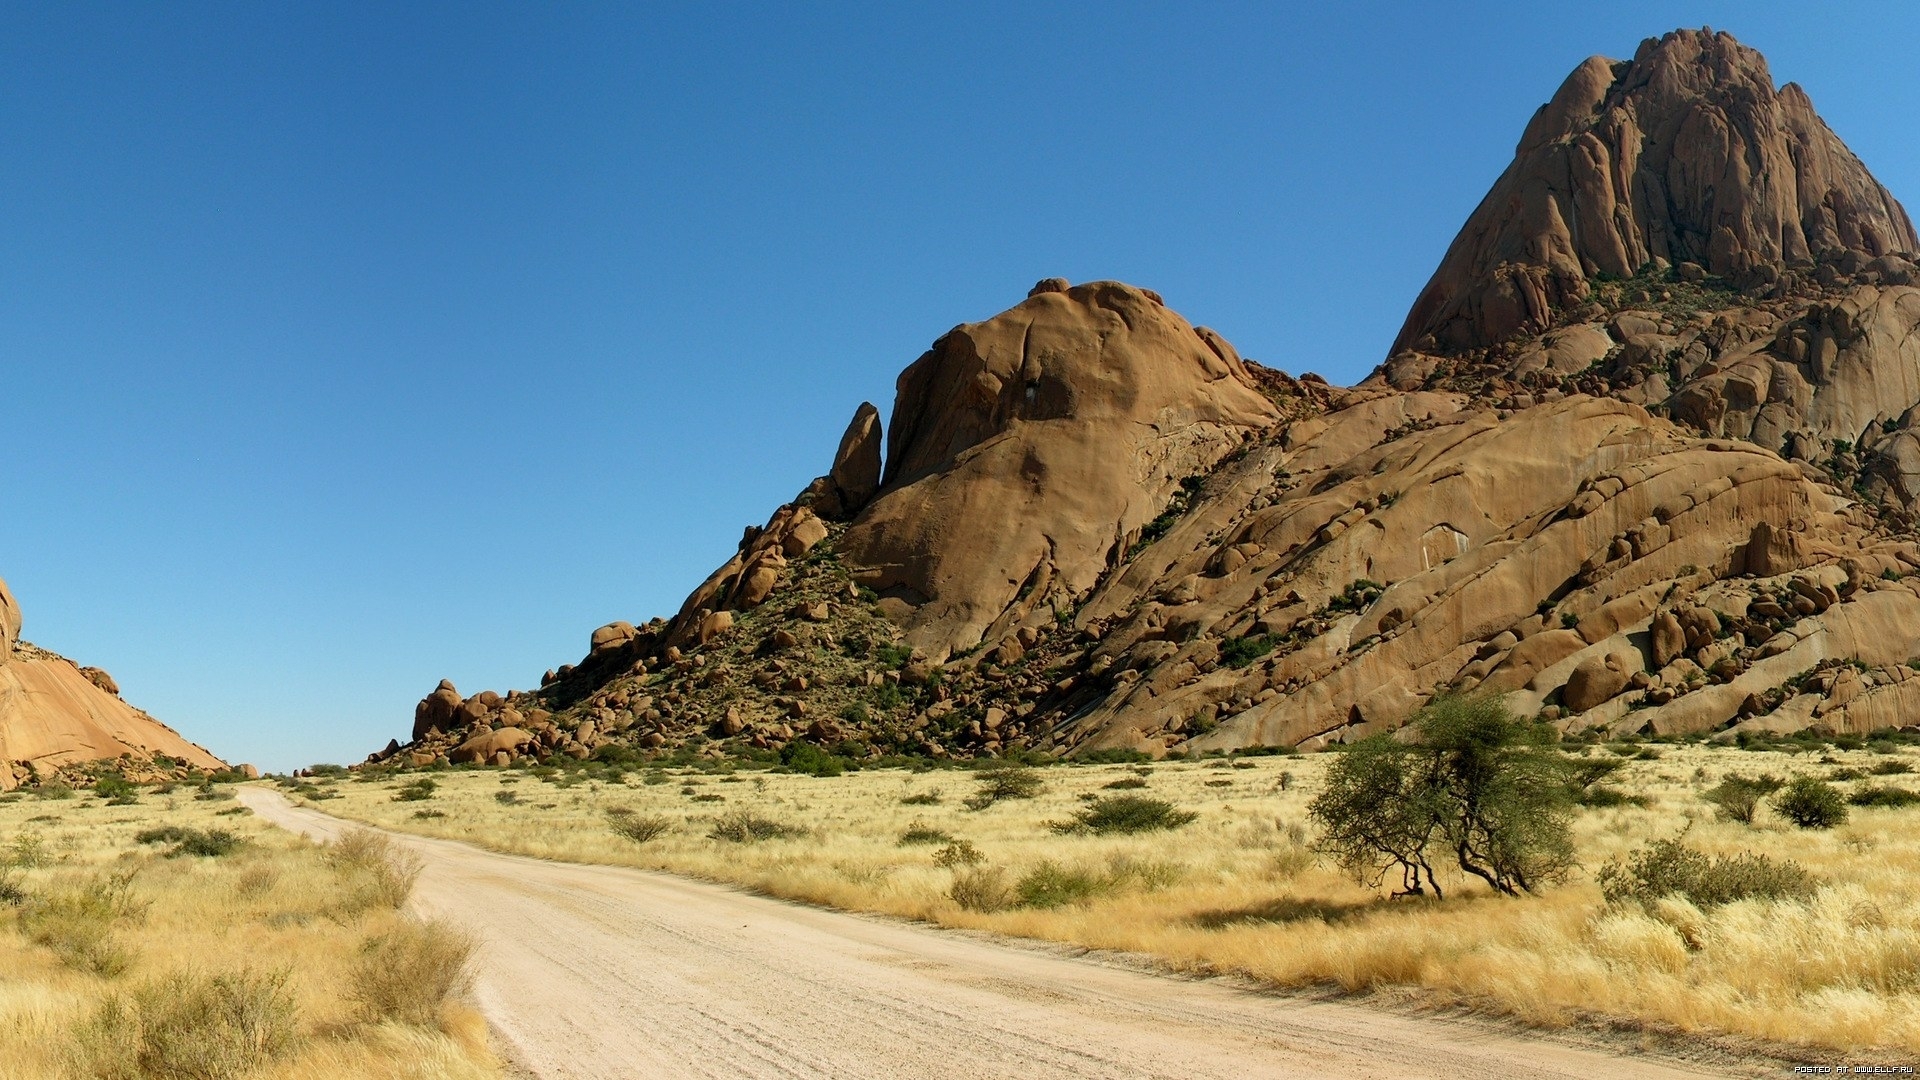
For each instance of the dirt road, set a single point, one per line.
(596, 972)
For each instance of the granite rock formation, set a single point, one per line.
(1644, 460)
(55, 714)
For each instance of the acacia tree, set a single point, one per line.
(1491, 787)
(1376, 816)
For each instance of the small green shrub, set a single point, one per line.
(922, 798)
(1883, 796)
(416, 791)
(209, 843)
(1004, 782)
(919, 833)
(746, 827)
(1669, 868)
(28, 850)
(1738, 797)
(639, 829)
(810, 760)
(1811, 804)
(957, 854)
(1125, 783)
(1127, 814)
(1051, 885)
(115, 788)
(1890, 768)
(1241, 652)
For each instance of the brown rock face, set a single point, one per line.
(55, 713)
(1027, 451)
(1688, 154)
(436, 710)
(855, 476)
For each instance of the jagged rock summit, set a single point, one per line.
(1643, 462)
(55, 714)
(1686, 154)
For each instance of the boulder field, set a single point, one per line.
(1643, 460)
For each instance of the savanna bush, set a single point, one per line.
(1052, 885)
(1883, 796)
(1738, 797)
(1670, 868)
(637, 827)
(1811, 804)
(921, 833)
(1004, 782)
(746, 827)
(210, 843)
(1127, 814)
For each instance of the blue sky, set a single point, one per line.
(343, 350)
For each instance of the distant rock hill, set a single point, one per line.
(56, 715)
(1642, 460)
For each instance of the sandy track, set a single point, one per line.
(595, 972)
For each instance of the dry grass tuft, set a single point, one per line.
(190, 1026)
(120, 963)
(410, 973)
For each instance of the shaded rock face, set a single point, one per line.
(54, 713)
(1686, 154)
(1028, 451)
(9, 623)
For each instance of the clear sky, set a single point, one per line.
(343, 350)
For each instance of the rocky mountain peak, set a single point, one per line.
(1687, 154)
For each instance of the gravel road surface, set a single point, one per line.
(594, 972)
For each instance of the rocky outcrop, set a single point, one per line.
(1027, 452)
(1646, 459)
(55, 714)
(1686, 154)
(855, 477)
(9, 623)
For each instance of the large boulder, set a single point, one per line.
(481, 748)
(437, 710)
(611, 638)
(1026, 451)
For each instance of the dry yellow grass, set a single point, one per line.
(1239, 891)
(212, 934)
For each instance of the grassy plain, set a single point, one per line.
(1240, 890)
(249, 953)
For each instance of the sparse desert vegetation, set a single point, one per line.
(1673, 914)
(148, 935)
